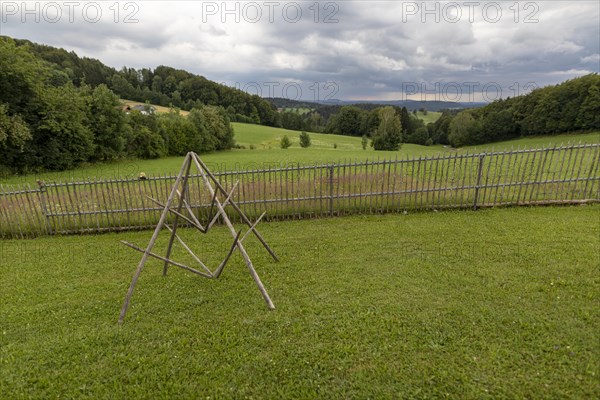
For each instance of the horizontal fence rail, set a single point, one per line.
(553, 175)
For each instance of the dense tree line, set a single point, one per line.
(572, 106)
(49, 122)
(356, 121)
(163, 86)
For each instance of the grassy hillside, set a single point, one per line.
(431, 116)
(267, 152)
(493, 304)
(265, 137)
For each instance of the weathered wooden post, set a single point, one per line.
(331, 189)
(478, 184)
(42, 194)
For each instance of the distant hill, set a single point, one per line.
(410, 104)
(371, 104)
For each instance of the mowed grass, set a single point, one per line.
(267, 153)
(490, 304)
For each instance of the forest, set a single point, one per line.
(51, 121)
(164, 86)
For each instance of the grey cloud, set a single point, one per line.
(370, 52)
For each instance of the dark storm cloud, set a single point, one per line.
(367, 49)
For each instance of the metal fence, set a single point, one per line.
(563, 174)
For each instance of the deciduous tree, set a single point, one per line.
(389, 132)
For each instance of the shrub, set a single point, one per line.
(364, 142)
(419, 137)
(304, 140)
(285, 142)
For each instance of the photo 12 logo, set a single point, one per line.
(453, 12)
(269, 11)
(313, 91)
(464, 91)
(69, 11)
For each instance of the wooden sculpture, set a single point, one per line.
(183, 211)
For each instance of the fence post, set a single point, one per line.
(477, 186)
(42, 192)
(331, 190)
(590, 175)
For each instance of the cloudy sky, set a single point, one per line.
(386, 50)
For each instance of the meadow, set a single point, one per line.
(497, 303)
(430, 116)
(261, 149)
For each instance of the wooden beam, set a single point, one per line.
(185, 246)
(133, 246)
(191, 212)
(224, 204)
(176, 222)
(224, 262)
(240, 246)
(159, 226)
(253, 226)
(202, 167)
(200, 228)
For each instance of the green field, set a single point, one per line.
(491, 304)
(267, 152)
(265, 137)
(431, 116)
(298, 110)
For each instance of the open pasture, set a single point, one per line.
(430, 116)
(267, 153)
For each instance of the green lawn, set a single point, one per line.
(490, 304)
(268, 153)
